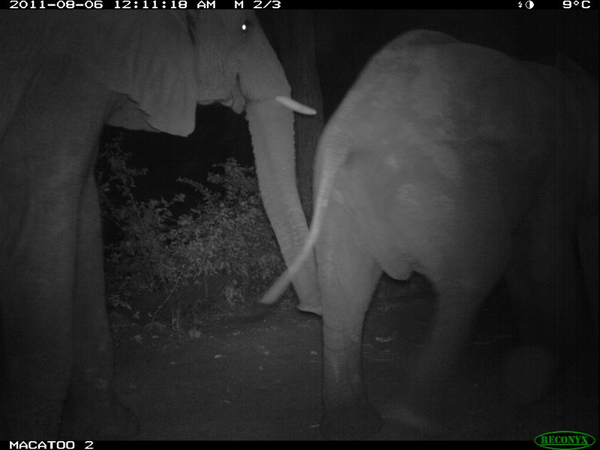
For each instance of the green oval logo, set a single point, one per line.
(564, 439)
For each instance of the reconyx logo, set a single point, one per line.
(564, 440)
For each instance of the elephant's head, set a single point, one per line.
(203, 58)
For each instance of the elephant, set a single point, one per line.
(462, 164)
(64, 76)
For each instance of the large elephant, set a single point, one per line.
(463, 164)
(64, 75)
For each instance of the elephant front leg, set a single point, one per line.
(36, 288)
(348, 277)
(92, 409)
(36, 352)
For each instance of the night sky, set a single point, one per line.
(346, 39)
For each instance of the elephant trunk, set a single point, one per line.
(272, 128)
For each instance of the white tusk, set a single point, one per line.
(296, 106)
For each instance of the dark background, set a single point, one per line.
(344, 41)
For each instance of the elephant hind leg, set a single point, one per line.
(348, 276)
(546, 293)
(587, 240)
(456, 310)
(462, 272)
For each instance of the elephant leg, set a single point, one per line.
(36, 313)
(41, 168)
(46, 156)
(456, 310)
(463, 270)
(348, 277)
(546, 292)
(92, 408)
(587, 240)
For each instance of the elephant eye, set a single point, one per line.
(246, 26)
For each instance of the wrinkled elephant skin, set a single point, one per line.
(462, 164)
(64, 75)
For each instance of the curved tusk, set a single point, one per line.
(296, 106)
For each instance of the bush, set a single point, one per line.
(223, 245)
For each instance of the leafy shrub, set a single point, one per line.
(224, 246)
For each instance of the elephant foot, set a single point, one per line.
(350, 423)
(529, 374)
(408, 417)
(312, 309)
(417, 425)
(416, 411)
(102, 420)
(312, 306)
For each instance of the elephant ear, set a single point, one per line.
(147, 56)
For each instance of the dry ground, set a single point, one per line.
(261, 380)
